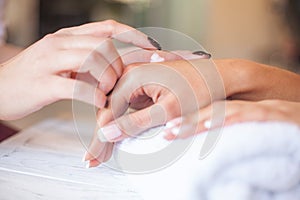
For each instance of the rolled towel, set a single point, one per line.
(251, 161)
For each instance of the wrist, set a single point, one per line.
(238, 76)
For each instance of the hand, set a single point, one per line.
(236, 112)
(41, 74)
(242, 80)
(158, 92)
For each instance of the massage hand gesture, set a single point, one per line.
(82, 63)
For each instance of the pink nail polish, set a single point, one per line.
(109, 133)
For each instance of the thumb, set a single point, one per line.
(130, 125)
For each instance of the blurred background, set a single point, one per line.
(255, 29)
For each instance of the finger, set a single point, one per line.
(64, 88)
(83, 61)
(101, 70)
(105, 156)
(65, 42)
(241, 111)
(66, 60)
(109, 52)
(97, 147)
(130, 125)
(195, 123)
(137, 55)
(108, 152)
(113, 29)
(91, 44)
(93, 163)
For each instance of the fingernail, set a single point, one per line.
(175, 131)
(170, 124)
(207, 124)
(174, 122)
(87, 165)
(154, 43)
(202, 54)
(109, 133)
(84, 156)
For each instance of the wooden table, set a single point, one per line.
(44, 162)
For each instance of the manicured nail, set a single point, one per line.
(88, 165)
(174, 122)
(202, 54)
(175, 131)
(84, 156)
(154, 43)
(207, 124)
(170, 124)
(109, 133)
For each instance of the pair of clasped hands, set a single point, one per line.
(82, 63)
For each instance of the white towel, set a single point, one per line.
(251, 161)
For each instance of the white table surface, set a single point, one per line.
(43, 161)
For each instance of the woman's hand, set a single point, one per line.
(158, 92)
(236, 112)
(41, 74)
(156, 103)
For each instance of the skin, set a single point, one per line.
(236, 112)
(82, 59)
(34, 78)
(8, 51)
(242, 79)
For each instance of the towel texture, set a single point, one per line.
(251, 161)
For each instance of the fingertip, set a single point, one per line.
(87, 165)
(84, 157)
(169, 137)
(87, 157)
(100, 99)
(174, 122)
(93, 163)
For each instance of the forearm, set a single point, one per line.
(246, 80)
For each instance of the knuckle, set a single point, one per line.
(131, 68)
(61, 31)
(110, 22)
(106, 45)
(140, 121)
(49, 41)
(172, 107)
